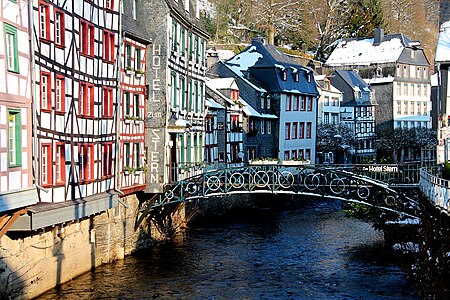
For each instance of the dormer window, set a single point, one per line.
(326, 85)
(296, 77)
(379, 72)
(284, 75)
(309, 77)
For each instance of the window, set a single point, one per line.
(109, 4)
(294, 154)
(326, 101)
(11, 44)
(303, 103)
(286, 155)
(126, 104)
(107, 103)
(294, 130)
(405, 71)
(300, 153)
(128, 58)
(137, 59)
(137, 105)
(398, 71)
(60, 164)
(261, 127)
(46, 91)
(411, 107)
(126, 155)
(288, 102)
(399, 89)
(59, 28)
(405, 107)
(284, 75)
(296, 77)
(307, 154)
(379, 72)
(108, 46)
(46, 164)
(234, 122)
(196, 49)
(425, 73)
(326, 118)
(86, 162)
(14, 138)
(251, 153)
(302, 130)
(107, 161)
(269, 127)
(136, 155)
(183, 93)
(405, 89)
(86, 100)
(60, 93)
(196, 96)
(399, 108)
(287, 131)
(296, 102)
(44, 21)
(309, 103)
(308, 130)
(183, 37)
(425, 109)
(87, 38)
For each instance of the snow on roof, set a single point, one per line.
(239, 73)
(380, 80)
(221, 83)
(225, 54)
(363, 52)
(244, 60)
(250, 111)
(443, 45)
(213, 104)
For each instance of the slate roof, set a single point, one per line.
(356, 84)
(265, 64)
(364, 51)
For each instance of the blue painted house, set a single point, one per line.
(290, 94)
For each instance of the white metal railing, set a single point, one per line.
(435, 188)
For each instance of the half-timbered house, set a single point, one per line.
(16, 178)
(74, 67)
(134, 43)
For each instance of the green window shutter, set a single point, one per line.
(182, 159)
(189, 150)
(11, 44)
(183, 93)
(14, 138)
(174, 89)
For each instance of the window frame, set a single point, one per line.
(86, 162)
(62, 28)
(46, 165)
(107, 102)
(86, 100)
(14, 154)
(44, 25)
(87, 38)
(47, 92)
(14, 56)
(60, 164)
(61, 107)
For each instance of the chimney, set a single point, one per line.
(378, 36)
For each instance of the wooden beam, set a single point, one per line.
(6, 221)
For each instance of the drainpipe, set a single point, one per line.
(35, 143)
(119, 106)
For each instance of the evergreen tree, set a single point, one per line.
(366, 15)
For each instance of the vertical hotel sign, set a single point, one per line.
(155, 121)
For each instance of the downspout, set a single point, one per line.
(35, 143)
(119, 106)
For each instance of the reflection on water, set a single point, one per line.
(313, 252)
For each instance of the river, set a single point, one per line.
(311, 252)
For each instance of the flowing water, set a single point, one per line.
(311, 252)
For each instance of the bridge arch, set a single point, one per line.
(280, 179)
